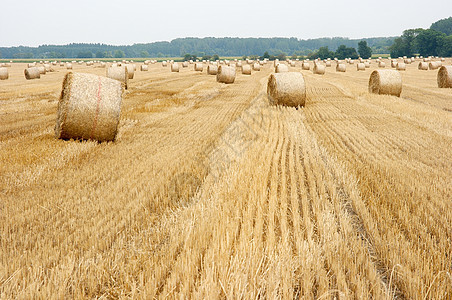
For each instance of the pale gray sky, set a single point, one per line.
(125, 22)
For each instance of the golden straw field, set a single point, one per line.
(209, 192)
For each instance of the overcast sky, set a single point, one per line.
(125, 22)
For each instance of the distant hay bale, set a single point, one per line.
(318, 69)
(130, 70)
(422, 66)
(292, 63)
(393, 63)
(31, 65)
(185, 64)
(120, 74)
(367, 64)
(42, 70)
(198, 67)
(89, 108)
(433, 65)
(144, 68)
(287, 89)
(328, 63)
(246, 69)
(445, 77)
(401, 66)
(351, 61)
(4, 73)
(385, 82)
(47, 67)
(212, 69)
(281, 68)
(32, 73)
(341, 68)
(305, 66)
(443, 59)
(175, 67)
(164, 63)
(226, 74)
(360, 67)
(69, 66)
(257, 66)
(382, 64)
(61, 64)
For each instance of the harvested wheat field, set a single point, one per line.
(210, 192)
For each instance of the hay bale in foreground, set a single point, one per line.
(281, 68)
(120, 74)
(4, 74)
(198, 67)
(212, 69)
(246, 69)
(385, 82)
(287, 89)
(341, 68)
(130, 70)
(89, 107)
(445, 77)
(32, 73)
(144, 68)
(318, 69)
(175, 67)
(226, 74)
(422, 66)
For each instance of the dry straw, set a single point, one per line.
(89, 107)
(32, 73)
(445, 77)
(130, 70)
(257, 66)
(185, 64)
(164, 63)
(382, 64)
(434, 65)
(212, 69)
(4, 74)
(305, 66)
(401, 66)
(287, 89)
(246, 69)
(144, 68)
(385, 82)
(175, 67)
(318, 69)
(120, 74)
(422, 66)
(360, 67)
(341, 68)
(42, 70)
(198, 67)
(69, 66)
(226, 74)
(281, 68)
(367, 64)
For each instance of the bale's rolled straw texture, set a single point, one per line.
(130, 70)
(246, 69)
(385, 82)
(226, 74)
(281, 68)
(164, 63)
(257, 66)
(318, 69)
(445, 77)
(422, 66)
(341, 68)
(433, 65)
(69, 66)
(89, 107)
(287, 89)
(382, 64)
(42, 70)
(120, 74)
(360, 67)
(32, 73)
(401, 66)
(144, 67)
(198, 67)
(212, 69)
(185, 64)
(175, 67)
(4, 74)
(305, 66)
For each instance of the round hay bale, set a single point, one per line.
(185, 64)
(433, 65)
(287, 89)
(226, 74)
(175, 67)
(445, 77)
(257, 66)
(61, 64)
(144, 68)
(164, 63)
(198, 67)
(341, 68)
(4, 74)
(212, 69)
(351, 61)
(385, 82)
(47, 67)
(367, 64)
(130, 70)
(305, 66)
(120, 74)
(69, 66)
(31, 65)
(32, 73)
(89, 108)
(360, 67)
(422, 66)
(281, 68)
(401, 66)
(318, 69)
(42, 70)
(328, 63)
(443, 59)
(382, 64)
(246, 70)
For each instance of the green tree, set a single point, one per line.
(446, 47)
(430, 42)
(281, 56)
(215, 57)
(100, 54)
(119, 54)
(364, 50)
(266, 55)
(324, 53)
(343, 52)
(85, 54)
(443, 25)
(144, 54)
